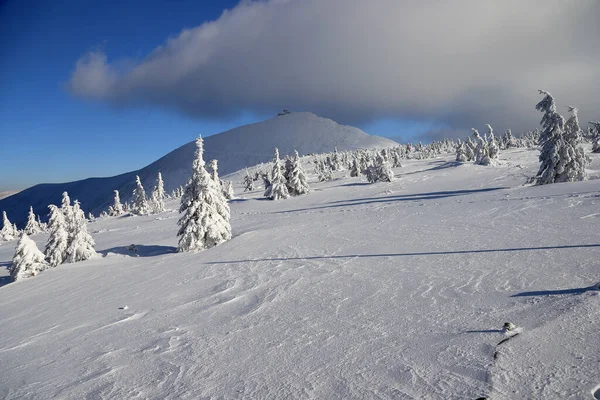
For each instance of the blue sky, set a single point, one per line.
(98, 88)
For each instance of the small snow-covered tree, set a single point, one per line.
(248, 182)
(297, 182)
(205, 219)
(117, 208)
(460, 152)
(492, 146)
(380, 171)
(32, 226)
(81, 244)
(91, 217)
(139, 202)
(277, 188)
(158, 195)
(214, 171)
(355, 169)
(8, 231)
(481, 151)
(28, 260)
(228, 190)
(56, 248)
(470, 149)
(43, 226)
(577, 160)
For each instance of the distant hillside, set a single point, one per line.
(235, 149)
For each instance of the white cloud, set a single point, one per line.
(461, 63)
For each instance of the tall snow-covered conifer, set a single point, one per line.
(56, 248)
(205, 219)
(277, 188)
(158, 195)
(81, 245)
(28, 260)
(139, 202)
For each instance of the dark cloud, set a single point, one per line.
(460, 63)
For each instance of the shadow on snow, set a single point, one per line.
(390, 199)
(416, 254)
(556, 292)
(140, 250)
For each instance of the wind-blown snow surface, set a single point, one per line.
(354, 291)
(235, 149)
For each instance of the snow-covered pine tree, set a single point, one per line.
(460, 152)
(214, 171)
(492, 146)
(277, 189)
(481, 151)
(578, 161)
(470, 149)
(117, 208)
(32, 226)
(228, 191)
(205, 219)
(91, 217)
(56, 248)
(248, 182)
(28, 260)
(355, 169)
(81, 244)
(297, 182)
(556, 153)
(158, 195)
(43, 226)
(595, 136)
(139, 202)
(8, 231)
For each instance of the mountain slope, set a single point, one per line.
(235, 149)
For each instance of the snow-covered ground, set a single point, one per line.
(355, 291)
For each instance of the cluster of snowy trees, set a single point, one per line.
(140, 204)
(482, 150)
(69, 241)
(562, 158)
(285, 179)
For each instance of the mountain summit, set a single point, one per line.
(235, 149)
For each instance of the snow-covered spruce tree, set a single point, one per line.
(277, 188)
(214, 171)
(28, 260)
(139, 204)
(158, 195)
(117, 208)
(595, 136)
(8, 231)
(297, 182)
(492, 146)
(470, 149)
(91, 217)
(355, 169)
(461, 156)
(81, 244)
(248, 182)
(228, 191)
(56, 248)
(578, 161)
(205, 219)
(323, 170)
(379, 172)
(481, 151)
(32, 227)
(43, 226)
(556, 155)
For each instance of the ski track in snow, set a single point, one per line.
(395, 290)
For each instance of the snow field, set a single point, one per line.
(355, 291)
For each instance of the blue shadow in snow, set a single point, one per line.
(391, 199)
(555, 292)
(416, 254)
(140, 250)
(4, 280)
